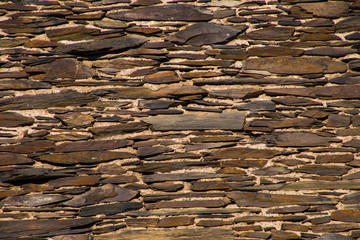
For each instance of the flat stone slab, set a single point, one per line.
(165, 234)
(224, 121)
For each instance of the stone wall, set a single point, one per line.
(166, 119)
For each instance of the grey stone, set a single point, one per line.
(33, 200)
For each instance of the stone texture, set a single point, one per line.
(162, 77)
(14, 159)
(100, 145)
(205, 33)
(348, 24)
(119, 128)
(175, 221)
(346, 215)
(326, 9)
(19, 84)
(85, 157)
(242, 93)
(71, 33)
(181, 176)
(244, 153)
(323, 170)
(28, 147)
(226, 121)
(187, 204)
(109, 209)
(177, 12)
(272, 33)
(75, 181)
(10, 119)
(34, 200)
(295, 65)
(274, 51)
(301, 139)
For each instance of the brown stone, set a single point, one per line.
(175, 221)
(119, 128)
(250, 199)
(294, 227)
(109, 209)
(43, 101)
(181, 176)
(168, 167)
(226, 121)
(335, 227)
(244, 163)
(167, 186)
(14, 159)
(72, 237)
(323, 170)
(301, 139)
(334, 158)
(121, 179)
(75, 120)
(336, 120)
(287, 210)
(187, 204)
(352, 198)
(256, 235)
(85, 157)
(91, 145)
(346, 215)
(33, 200)
(295, 101)
(162, 77)
(272, 33)
(244, 153)
(19, 74)
(152, 151)
(121, 64)
(9, 119)
(209, 185)
(242, 93)
(72, 33)
(18, 84)
(283, 235)
(286, 123)
(253, 219)
(272, 170)
(173, 12)
(205, 33)
(141, 222)
(172, 196)
(70, 135)
(326, 9)
(274, 51)
(329, 51)
(75, 181)
(319, 37)
(110, 24)
(212, 223)
(348, 24)
(295, 65)
(28, 147)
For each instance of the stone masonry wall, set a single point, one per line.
(179, 119)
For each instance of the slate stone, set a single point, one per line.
(209, 185)
(200, 146)
(352, 198)
(121, 64)
(225, 121)
(244, 153)
(172, 196)
(187, 204)
(151, 151)
(10, 119)
(33, 200)
(283, 235)
(335, 227)
(253, 219)
(102, 46)
(85, 157)
(119, 129)
(43, 101)
(110, 24)
(157, 104)
(286, 65)
(171, 12)
(348, 24)
(326, 9)
(75, 181)
(168, 222)
(272, 34)
(242, 93)
(323, 170)
(167, 186)
(329, 51)
(28, 147)
(108, 192)
(75, 33)
(18, 84)
(346, 215)
(243, 163)
(334, 236)
(168, 167)
(109, 209)
(100, 145)
(205, 33)
(17, 74)
(301, 139)
(181, 176)
(14, 159)
(334, 158)
(295, 101)
(274, 51)
(250, 199)
(256, 235)
(286, 210)
(335, 120)
(162, 77)
(273, 170)
(10, 229)
(286, 123)
(76, 120)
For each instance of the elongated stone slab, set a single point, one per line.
(14, 159)
(9, 119)
(181, 176)
(224, 121)
(91, 145)
(346, 215)
(243, 153)
(109, 209)
(33, 200)
(173, 12)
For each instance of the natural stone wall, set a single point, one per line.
(167, 119)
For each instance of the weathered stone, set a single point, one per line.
(181, 176)
(119, 128)
(250, 199)
(203, 63)
(172, 196)
(244, 153)
(205, 33)
(171, 156)
(168, 167)
(75, 181)
(352, 198)
(323, 170)
(286, 123)
(72, 237)
(85, 157)
(17, 74)
(283, 235)
(70, 135)
(209, 185)
(225, 121)
(173, 12)
(121, 64)
(101, 46)
(243, 163)
(14, 159)
(28, 147)
(187, 204)
(253, 219)
(295, 101)
(273, 170)
(274, 51)
(120, 179)
(257, 106)
(167, 186)
(162, 77)
(335, 227)
(334, 158)
(256, 235)
(157, 104)
(175, 221)
(91, 145)
(295, 65)
(329, 51)
(34, 200)
(346, 215)
(242, 93)
(200, 146)
(108, 192)
(287, 210)
(272, 33)
(75, 120)
(160, 234)
(10, 229)
(326, 9)
(212, 223)
(109, 209)
(334, 236)
(10, 119)
(335, 120)
(72, 33)
(318, 37)
(18, 84)
(348, 24)
(43, 101)
(110, 24)
(141, 222)
(151, 151)
(301, 139)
